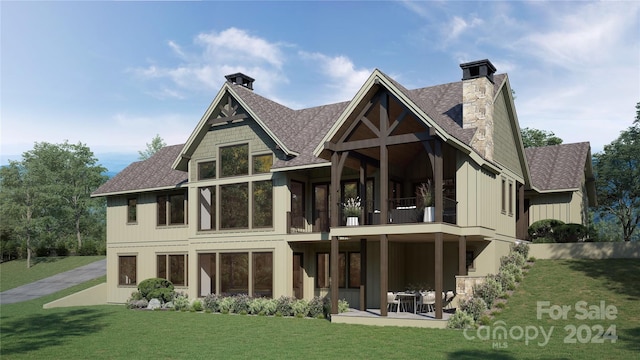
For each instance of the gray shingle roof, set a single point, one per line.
(153, 173)
(559, 166)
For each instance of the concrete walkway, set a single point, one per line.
(54, 283)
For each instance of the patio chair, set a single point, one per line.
(393, 299)
(426, 301)
(448, 298)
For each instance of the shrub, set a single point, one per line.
(484, 320)
(181, 302)
(226, 303)
(269, 307)
(257, 305)
(316, 307)
(136, 296)
(62, 250)
(137, 304)
(513, 258)
(461, 320)
(488, 291)
(156, 288)
(543, 229)
(474, 306)
(240, 304)
(343, 306)
(512, 269)
(300, 308)
(543, 240)
(88, 248)
(521, 248)
(211, 302)
(197, 305)
(507, 280)
(284, 305)
(570, 233)
(501, 305)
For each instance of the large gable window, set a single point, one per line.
(234, 206)
(207, 170)
(262, 204)
(234, 160)
(262, 163)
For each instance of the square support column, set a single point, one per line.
(438, 262)
(384, 273)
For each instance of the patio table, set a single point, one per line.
(406, 298)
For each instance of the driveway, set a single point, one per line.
(54, 283)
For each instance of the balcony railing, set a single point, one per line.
(401, 211)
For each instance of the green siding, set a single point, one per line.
(505, 151)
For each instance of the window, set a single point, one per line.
(262, 274)
(207, 207)
(234, 206)
(171, 209)
(207, 274)
(262, 163)
(234, 273)
(207, 170)
(262, 204)
(297, 204)
(323, 270)
(503, 190)
(510, 198)
(470, 260)
(127, 270)
(175, 266)
(132, 210)
(234, 160)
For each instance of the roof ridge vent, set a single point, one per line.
(241, 79)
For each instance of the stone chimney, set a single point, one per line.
(241, 79)
(477, 104)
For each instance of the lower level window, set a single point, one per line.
(127, 270)
(173, 268)
(234, 273)
(323, 270)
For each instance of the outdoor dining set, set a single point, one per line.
(417, 301)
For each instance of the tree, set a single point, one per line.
(535, 138)
(617, 171)
(45, 198)
(156, 144)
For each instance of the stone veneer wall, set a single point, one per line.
(465, 284)
(477, 112)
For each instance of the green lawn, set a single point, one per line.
(15, 273)
(110, 332)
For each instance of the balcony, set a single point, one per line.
(401, 211)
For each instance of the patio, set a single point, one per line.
(402, 318)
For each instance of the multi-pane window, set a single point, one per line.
(207, 170)
(234, 273)
(262, 204)
(297, 204)
(503, 191)
(234, 206)
(346, 270)
(173, 268)
(207, 200)
(172, 209)
(234, 160)
(510, 198)
(262, 274)
(262, 163)
(132, 210)
(207, 273)
(127, 270)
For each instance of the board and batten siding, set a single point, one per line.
(569, 207)
(476, 194)
(504, 134)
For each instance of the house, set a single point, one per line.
(252, 202)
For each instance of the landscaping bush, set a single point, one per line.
(226, 304)
(474, 306)
(181, 302)
(521, 248)
(269, 307)
(300, 308)
(88, 248)
(513, 269)
(197, 305)
(543, 230)
(567, 233)
(513, 258)
(137, 303)
(488, 291)
(257, 306)
(343, 306)
(156, 288)
(316, 307)
(507, 280)
(461, 320)
(211, 302)
(240, 304)
(284, 305)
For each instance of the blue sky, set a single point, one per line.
(114, 74)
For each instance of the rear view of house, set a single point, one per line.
(253, 201)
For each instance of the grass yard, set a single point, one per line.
(15, 273)
(110, 332)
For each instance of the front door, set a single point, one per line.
(297, 276)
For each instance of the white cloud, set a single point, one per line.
(342, 76)
(217, 54)
(458, 25)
